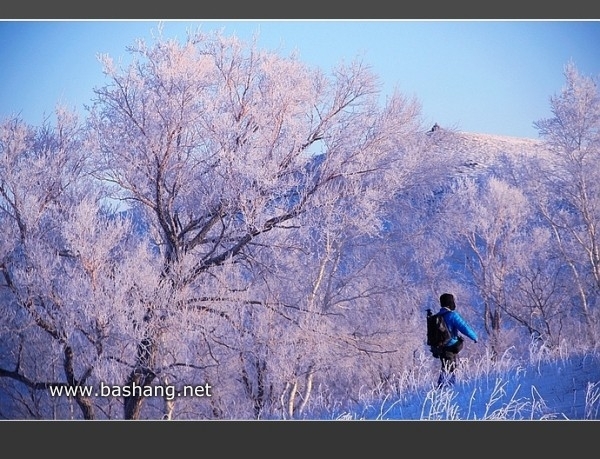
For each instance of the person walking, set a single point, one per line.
(449, 353)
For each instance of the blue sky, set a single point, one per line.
(485, 76)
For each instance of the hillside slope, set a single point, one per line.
(484, 149)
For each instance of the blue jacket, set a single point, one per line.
(456, 323)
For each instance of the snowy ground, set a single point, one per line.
(563, 389)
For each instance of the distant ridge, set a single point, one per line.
(500, 140)
(482, 150)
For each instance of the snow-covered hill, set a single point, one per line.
(483, 150)
(473, 153)
(499, 142)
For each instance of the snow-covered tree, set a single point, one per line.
(570, 201)
(229, 154)
(490, 216)
(60, 268)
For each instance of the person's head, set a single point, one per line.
(447, 301)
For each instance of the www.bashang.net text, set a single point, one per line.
(134, 390)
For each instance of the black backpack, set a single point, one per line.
(438, 334)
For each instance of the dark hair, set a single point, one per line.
(447, 301)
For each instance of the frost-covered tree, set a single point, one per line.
(490, 218)
(541, 297)
(245, 166)
(60, 270)
(570, 199)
